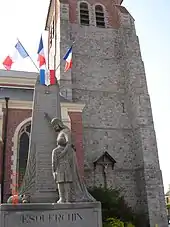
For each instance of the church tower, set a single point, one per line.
(108, 76)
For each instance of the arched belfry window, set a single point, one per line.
(99, 12)
(84, 13)
(23, 147)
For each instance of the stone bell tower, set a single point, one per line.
(108, 76)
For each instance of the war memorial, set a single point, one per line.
(53, 192)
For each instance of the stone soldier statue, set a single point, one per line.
(71, 187)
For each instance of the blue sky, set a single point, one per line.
(153, 28)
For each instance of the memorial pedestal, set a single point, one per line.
(51, 215)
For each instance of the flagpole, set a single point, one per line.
(58, 65)
(34, 64)
(28, 55)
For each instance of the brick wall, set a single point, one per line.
(111, 12)
(15, 117)
(1, 148)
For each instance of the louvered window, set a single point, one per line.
(84, 14)
(100, 22)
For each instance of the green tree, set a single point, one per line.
(113, 205)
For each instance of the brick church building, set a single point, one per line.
(104, 101)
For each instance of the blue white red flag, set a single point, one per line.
(47, 77)
(19, 51)
(68, 59)
(40, 52)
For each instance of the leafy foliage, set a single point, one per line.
(130, 225)
(113, 222)
(113, 205)
(168, 206)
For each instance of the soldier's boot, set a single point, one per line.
(61, 191)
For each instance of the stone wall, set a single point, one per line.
(98, 81)
(150, 185)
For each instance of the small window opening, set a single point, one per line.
(100, 22)
(84, 14)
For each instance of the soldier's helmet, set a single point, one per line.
(57, 122)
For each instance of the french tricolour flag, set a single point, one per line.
(68, 59)
(40, 52)
(19, 51)
(47, 77)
